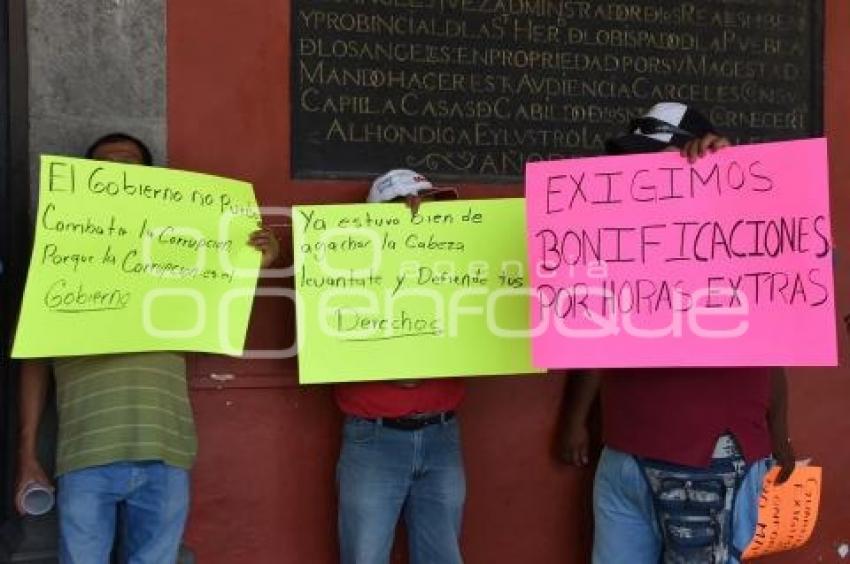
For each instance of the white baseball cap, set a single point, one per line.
(664, 124)
(402, 182)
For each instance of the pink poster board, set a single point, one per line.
(646, 260)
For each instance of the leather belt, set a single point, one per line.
(415, 422)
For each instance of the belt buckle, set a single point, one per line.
(413, 424)
(402, 423)
(417, 421)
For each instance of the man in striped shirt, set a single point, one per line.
(126, 435)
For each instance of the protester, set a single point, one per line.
(126, 438)
(686, 449)
(401, 452)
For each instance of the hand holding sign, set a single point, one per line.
(265, 241)
(787, 512)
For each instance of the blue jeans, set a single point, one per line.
(626, 530)
(384, 473)
(154, 501)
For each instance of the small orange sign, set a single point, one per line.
(787, 512)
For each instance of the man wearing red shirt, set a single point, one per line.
(686, 450)
(401, 452)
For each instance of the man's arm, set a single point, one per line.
(777, 420)
(33, 394)
(575, 439)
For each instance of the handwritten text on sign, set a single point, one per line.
(132, 258)
(646, 260)
(787, 512)
(383, 294)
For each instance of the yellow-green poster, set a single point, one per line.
(133, 258)
(384, 294)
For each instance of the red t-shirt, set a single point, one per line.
(676, 415)
(385, 399)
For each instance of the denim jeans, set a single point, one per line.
(153, 499)
(626, 530)
(385, 473)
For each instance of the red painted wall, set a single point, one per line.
(263, 485)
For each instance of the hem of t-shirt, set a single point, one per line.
(182, 462)
(686, 462)
(370, 415)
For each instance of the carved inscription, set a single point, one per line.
(475, 88)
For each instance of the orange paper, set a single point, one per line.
(787, 513)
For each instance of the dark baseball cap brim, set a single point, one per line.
(440, 193)
(435, 193)
(635, 143)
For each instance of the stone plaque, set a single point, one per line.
(472, 89)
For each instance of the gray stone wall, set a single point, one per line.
(96, 66)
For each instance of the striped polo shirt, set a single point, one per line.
(128, 407)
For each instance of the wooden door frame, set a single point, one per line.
(14, 223)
